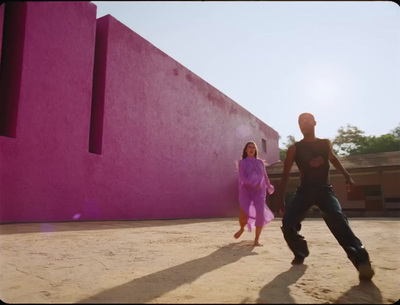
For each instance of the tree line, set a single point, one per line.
(350, 140)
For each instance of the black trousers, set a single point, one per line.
(325, 199)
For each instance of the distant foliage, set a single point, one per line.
(348, 140)
(370, 145)
(282, 154)
(282, 151)
(290, 141)
(396, 132)
(351, 141)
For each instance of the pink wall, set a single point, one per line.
(41, 166)
(158, 142)
(1, 25)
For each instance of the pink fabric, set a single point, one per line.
(253, 186)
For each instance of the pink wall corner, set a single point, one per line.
(11, 67)
(170, 141)
(2, 6)
(41, 166)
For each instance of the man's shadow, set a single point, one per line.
(364, 293)
(149, 287)
(277, 291)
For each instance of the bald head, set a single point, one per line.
(306, 115)
(307, 124)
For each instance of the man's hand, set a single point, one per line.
(281, 204)
(350, 183)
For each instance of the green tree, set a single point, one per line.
(282, 151)
(373, 144)
(290, 141)
(282, 154)
(396, 132)
(349, 139)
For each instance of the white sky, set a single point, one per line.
(338, 60)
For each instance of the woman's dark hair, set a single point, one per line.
(244, 154)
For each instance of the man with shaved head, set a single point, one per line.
(312, 156)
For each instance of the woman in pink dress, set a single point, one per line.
(253, 186)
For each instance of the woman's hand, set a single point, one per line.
(270, 189)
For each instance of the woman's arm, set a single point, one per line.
(269, 186)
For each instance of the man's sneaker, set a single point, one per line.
(365, 272)
(298, 260)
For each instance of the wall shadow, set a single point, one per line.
(149, 287)
(277, 291)
(363, 293)
(45, 227)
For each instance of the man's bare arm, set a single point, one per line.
(287, 166)
(336, 163)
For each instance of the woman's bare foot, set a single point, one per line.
(257, 244)
(238, 233)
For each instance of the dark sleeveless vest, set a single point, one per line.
(312, 159)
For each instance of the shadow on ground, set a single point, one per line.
(152, 286)
(277, 291)
(364, 293)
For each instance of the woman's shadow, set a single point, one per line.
(149, 287)
(277, 291)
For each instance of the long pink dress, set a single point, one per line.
(252, 173)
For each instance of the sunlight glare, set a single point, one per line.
(323, 91)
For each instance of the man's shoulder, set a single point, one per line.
(297, 143)
(325, 141)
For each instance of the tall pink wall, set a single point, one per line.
(110, 127)
(2, 6)
(42, 162)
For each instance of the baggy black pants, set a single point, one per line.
(325, 199)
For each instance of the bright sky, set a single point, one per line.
(338, 60)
